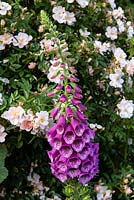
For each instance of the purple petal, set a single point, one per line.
(62, 177)
(84, 153)
(86, 166)
(63, 98)
(66, 151)
(56, 143)
(69, 112)
(62, 166)
(61, 124)
(73, 172)
(78, 145)
(75, 101)
(73, 161)
(81, 116)
(78, 95)
(54, 112)
(69, 135)
(68, 89)
(77, 89)
(59, 87)
(88, 135)
(82, 107)
(53, 155)
(85, 178)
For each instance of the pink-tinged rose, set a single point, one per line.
(26, 125)
(31, 65)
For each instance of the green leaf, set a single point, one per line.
(3, 173)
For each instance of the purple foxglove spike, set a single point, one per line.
(86, 166)
(73, 173)
(54, 112)
(78, 95)
(61, 176)
(59, 87)
(56, 143)
(69, 112)
(81, 116)
(85, 178)
(84, 153)
(77, 89)
(53, 155)
(78, 127)
(61, 123)
(82, 107)
(66, 151)
(51, 94)
(75, 101)
(68, 89)
(62, 98)
(78, 145)
(73, 161)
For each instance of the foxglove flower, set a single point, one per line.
(73, 154)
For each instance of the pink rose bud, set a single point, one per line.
(31, 65)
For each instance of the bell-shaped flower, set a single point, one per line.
(62, 164)
(72, 172)
(54, 112)
(85, 178)
(69, 112)
(69, 135)
(56, 142)
(53, 155)
(61, 123)
(86, 165)
(84, 153)
(73, 161)
(61, 176)
(78, 145)
(81, 116)
(66, 151)
(88, 134)
(78, 127)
